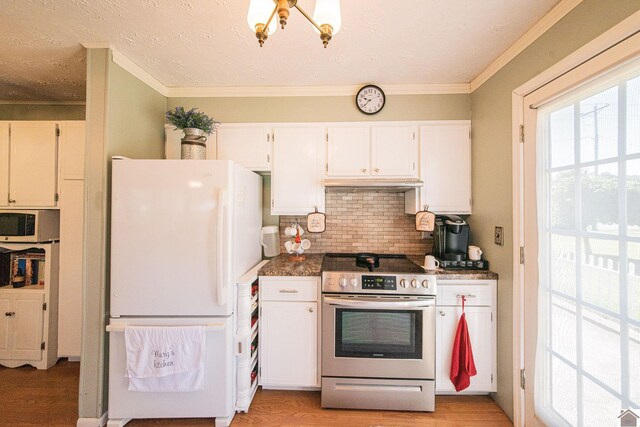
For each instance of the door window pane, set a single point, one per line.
(601, 347)
(599, 126)
(634, 369)
(563, 328)
(563, 199)
(561, 135)
(633, 197)
(563, 264)
(599, 198)
(564, 397)
(633, 116)
(597, 404)
(600, 277)
(633, 280)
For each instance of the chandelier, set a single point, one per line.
(326, 17)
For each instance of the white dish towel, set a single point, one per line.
(165, 358)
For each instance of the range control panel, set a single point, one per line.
(387, 283)
(400, 284)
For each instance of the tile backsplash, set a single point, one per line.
(363, 222)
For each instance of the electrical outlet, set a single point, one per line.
(499, 236)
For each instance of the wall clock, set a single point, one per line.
(370, 99)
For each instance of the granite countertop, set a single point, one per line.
(284, 265)
(456, 274)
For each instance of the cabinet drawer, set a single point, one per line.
(289, 289)
(477, 294)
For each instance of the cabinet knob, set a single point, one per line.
(311, 310)
(376, 170)
(364, 170)
(12, 200)
(442, 313)
(10, 313)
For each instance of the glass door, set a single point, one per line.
(582, 219)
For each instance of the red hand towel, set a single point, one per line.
(462, 365)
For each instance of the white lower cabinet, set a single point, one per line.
(480, 309)
(289, 336)
(29, 315)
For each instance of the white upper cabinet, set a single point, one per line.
(372, 151)
(394, 151)
(348, 151)
(247, 145)
(72, 136)
(296, 179)
(4, 164)
(445, 168)
(33, 164)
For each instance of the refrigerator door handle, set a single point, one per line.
(221, 285)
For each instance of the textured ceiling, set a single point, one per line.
(191, 43)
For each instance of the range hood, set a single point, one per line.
(390, 185)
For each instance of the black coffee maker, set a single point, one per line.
(450, 238)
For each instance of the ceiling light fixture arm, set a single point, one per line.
(325, 29)
(262, 30)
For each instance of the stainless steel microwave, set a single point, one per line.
(29, 226)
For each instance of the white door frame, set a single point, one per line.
(597, 46)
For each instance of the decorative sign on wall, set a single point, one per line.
(316, 222)
(425, 220)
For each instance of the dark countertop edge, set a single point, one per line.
(312, 267)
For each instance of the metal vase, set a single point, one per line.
(193, 145)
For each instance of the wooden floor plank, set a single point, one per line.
(29, 397)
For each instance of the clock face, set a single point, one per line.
(370, 99)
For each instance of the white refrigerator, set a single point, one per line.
(182, 233)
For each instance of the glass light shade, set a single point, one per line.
(328, 12)
(259, 13)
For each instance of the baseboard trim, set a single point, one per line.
(92, 422)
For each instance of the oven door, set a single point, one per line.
(378, 336)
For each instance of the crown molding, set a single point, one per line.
(540, 27)
(294, 91)
(42, 102)
(138, 72)
(98, 45)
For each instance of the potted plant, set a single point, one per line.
(196, 125)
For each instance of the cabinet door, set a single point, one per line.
(348, 151)
(480, 324)
(248, 146)
(70, 276)
(394, 151)
(4, 164)
(296, 178)
(5, 324)
(71, 141)
(288, 344)
(33, 164)
(28, 327)
(446, 153)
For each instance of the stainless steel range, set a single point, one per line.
(378, 333)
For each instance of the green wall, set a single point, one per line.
(41, 112)
(491, 161)
(125, 117)
(328, 108)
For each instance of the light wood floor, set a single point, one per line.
(49, 398)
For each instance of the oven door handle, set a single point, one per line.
(376, 303)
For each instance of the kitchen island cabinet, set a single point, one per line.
(480, 309)
(289, 332)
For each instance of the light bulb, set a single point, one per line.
(328, 12)
(259, 13)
